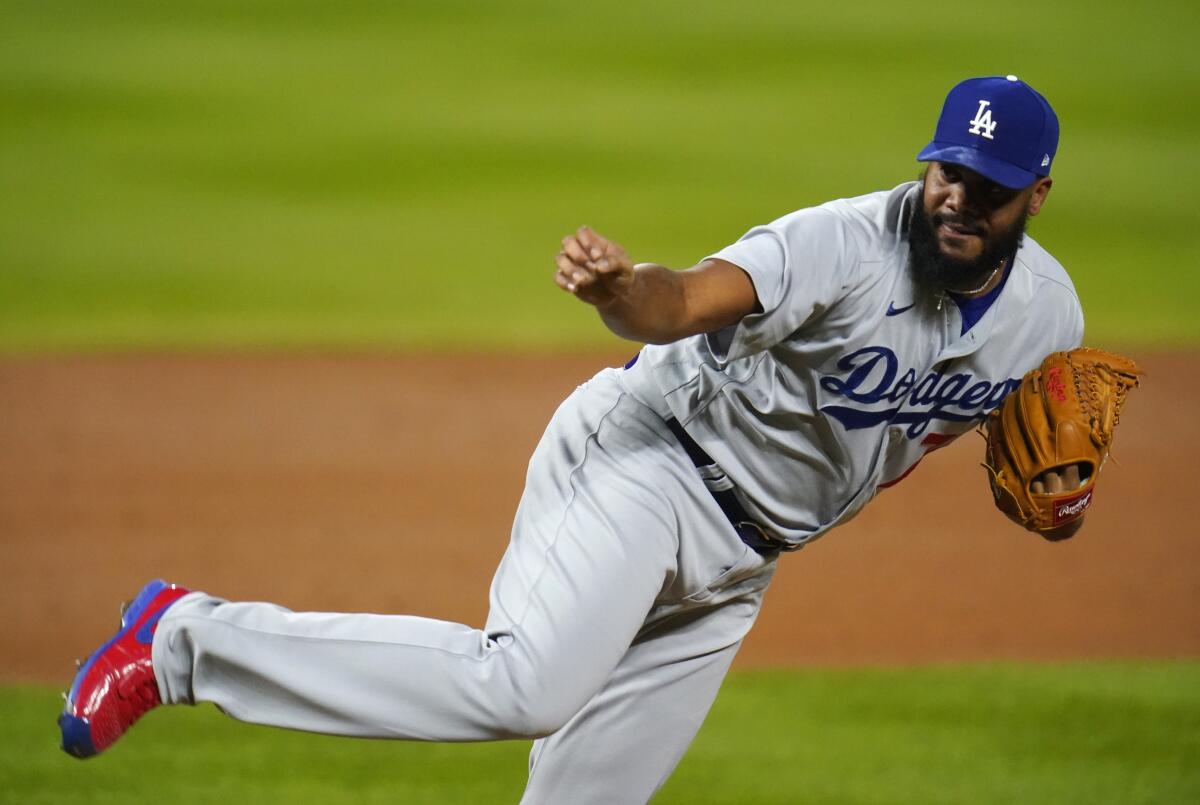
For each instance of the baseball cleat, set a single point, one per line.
(116, 684)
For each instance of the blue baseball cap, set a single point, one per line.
(999, 127)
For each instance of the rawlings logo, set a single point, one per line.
(1054, 384)
(1072, 508)
(873, 377)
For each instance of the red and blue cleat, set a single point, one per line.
(116, 684)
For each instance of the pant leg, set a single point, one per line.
(595, 543)
(625, 742)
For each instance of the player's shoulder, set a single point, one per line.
(1043, 273)
(876, 221)
(880, 211)
(1042, 292)
(870, 224)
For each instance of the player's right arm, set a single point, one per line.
(647, 302)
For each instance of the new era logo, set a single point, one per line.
(1045, 160)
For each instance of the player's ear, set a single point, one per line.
(1041, 189)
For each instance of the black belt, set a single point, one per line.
(750, 532)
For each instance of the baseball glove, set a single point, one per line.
(1063, 414)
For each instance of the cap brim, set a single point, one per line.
(997, 170)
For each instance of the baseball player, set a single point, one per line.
(787, 379)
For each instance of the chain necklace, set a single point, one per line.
(990, 277)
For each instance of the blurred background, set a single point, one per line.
(398, 174)
(277, 321)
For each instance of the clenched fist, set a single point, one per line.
(593, 268)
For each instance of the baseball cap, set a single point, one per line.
(997, 126)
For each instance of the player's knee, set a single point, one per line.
(533, 719)
(541, 721)
(530, 697)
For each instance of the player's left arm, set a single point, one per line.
(648, 302)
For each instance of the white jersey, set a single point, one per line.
(842, 384)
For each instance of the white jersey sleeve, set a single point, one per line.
(800, 265)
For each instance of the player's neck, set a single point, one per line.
(982, 286)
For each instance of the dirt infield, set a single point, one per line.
(388, 483)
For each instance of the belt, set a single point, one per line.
(758, 538)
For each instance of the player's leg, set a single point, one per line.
(624, 744)
(593, 546)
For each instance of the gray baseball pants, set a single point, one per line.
(615, 613)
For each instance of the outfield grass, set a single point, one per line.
(1078, 733)
(197, 174)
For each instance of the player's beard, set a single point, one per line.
(934, 272)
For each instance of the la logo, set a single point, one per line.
(983, 123)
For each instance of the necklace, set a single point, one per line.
(990, 277)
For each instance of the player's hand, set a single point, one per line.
(1052, 482)
(593, 268)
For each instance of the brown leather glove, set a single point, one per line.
(1063, 414)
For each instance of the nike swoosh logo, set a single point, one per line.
(896, 311)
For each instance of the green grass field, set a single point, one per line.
(1063, 734)
(207, 174)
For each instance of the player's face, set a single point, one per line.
(970, 215)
